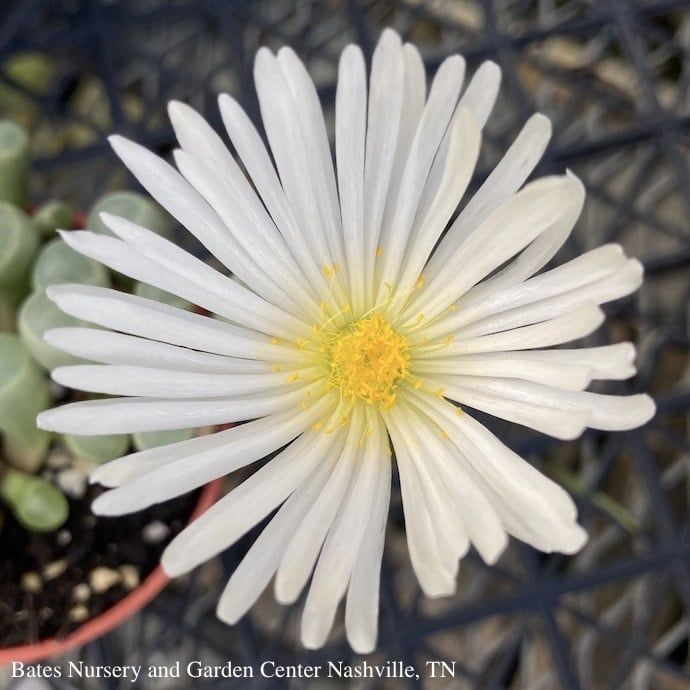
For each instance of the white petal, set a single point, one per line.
(244, 444)
(256, 160)
(395, 73)
(362, 607)
(505, 179)
(428, 136)
(509, 364)
(482, 91)
(170, 383)
(606, 362)
(151, 319)
(433, 563)
(621, 283)
(486, 299)
(257, 568)
(455, 172)
(306, 109)
(303, 550)
(129, 415)
(117, 348)
(554, 421)
(570, 326)
(344, 540)
(275, 260)
(121, 257)
(227, 189)
(607, 412)
(532, 507)
(436, 458)
(235, 514)
(350, 122)
(177, 196)
(542, 206)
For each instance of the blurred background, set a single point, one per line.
(614, 77)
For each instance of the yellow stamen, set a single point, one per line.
(366, 360)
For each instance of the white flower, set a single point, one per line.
(354, 324)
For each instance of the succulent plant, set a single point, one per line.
(24, 392)
(36, 503)
(32, 257)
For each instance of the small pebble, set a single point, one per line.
(45, 613)
(130, 577)
(101, 579)
(58, 459)
(155, 532)
(54, 570)
(31, 582)
(81, 593)
(73, 482)
(77, 614)
(63, 537)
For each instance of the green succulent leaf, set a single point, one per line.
(153, 439)
(154, 293)
(18, 245)
(59, 263)
(52, 216)
(15, 159)
(35, 502)
(97, 449)
(24, 392)
(131, 206)
(38, 315)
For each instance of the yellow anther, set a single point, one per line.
(366, 360)
(275, 341)
(379, 251)
(293, 377)
(420, 318)
(276, 367)
(420, 281)
(301, 344)
(317, 426)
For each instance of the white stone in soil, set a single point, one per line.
(73, 482)
(155, 532)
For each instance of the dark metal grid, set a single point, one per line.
(621, 110)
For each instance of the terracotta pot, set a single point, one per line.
(114, 616)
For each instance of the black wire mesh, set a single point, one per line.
(614, 76)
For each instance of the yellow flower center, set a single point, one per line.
(366, 359)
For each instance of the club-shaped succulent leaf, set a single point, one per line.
(58, 263)
(18, 246)
(153, 439)
(15, 158)
(36, 503)
(38, 315)
(52, 216)
(133, 207)
(154, 293)
(97, 449)
(24, 392)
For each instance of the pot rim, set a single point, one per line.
(115, 615)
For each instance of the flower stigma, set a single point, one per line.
(366, 360)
